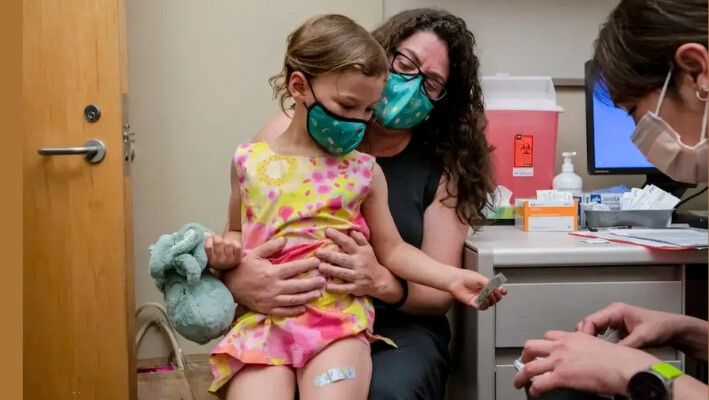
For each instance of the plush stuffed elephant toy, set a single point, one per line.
(199, 305)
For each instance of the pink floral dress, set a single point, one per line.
(297, 198)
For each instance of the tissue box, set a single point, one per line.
(501, 213)
(500, 208)
(533, 215)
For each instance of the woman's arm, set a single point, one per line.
(443, 239)
(411, 263)
(691, 337)
(687, 388)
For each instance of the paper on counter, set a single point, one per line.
(595, 241)
(666, 239)
(683, 237)
(628, 240)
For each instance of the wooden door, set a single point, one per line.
(78, 282)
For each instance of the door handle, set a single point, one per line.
(93, 151)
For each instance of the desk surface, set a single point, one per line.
(510, 246)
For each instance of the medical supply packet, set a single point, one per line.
(493, 284)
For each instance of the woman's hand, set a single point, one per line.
(637, 326)
(357, 266)
(467, 285)
(579, 361)
(274, 289)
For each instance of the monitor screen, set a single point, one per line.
(610, 150)
(612, 128)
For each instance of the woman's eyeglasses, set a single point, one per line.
(406, 67)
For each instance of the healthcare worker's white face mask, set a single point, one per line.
(663, 147)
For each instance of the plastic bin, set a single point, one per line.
(523, 119)
(656, 219)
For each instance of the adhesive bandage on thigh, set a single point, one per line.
(334, 375)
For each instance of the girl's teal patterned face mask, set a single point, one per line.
(337, 135)
(403, 104)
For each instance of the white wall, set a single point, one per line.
(198, 75)
(526, 37)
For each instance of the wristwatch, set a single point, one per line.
(654, 383)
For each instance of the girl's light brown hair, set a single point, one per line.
(328, 43)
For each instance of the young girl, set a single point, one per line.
(304, 182)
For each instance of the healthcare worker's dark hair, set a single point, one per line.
(637, 44)
(455, 129)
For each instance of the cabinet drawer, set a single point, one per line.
(505, 378)
(531, 309)
(504, 384)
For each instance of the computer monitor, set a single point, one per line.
(609, 148)
(608, 131)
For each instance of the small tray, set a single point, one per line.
(655, 219)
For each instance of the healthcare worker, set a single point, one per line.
(652, 57)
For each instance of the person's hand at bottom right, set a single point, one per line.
(579, 361)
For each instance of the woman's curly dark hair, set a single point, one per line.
(456, 126)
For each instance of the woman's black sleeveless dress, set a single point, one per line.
(419, 367)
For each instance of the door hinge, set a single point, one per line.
(128, 141)
(128, 137)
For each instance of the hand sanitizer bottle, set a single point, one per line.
(567, 180)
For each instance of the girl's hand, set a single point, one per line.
(579, 361)
(222, 253)
(357, 265)
(467, 286)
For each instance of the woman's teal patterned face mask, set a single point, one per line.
(337, 135)
(403, 104)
